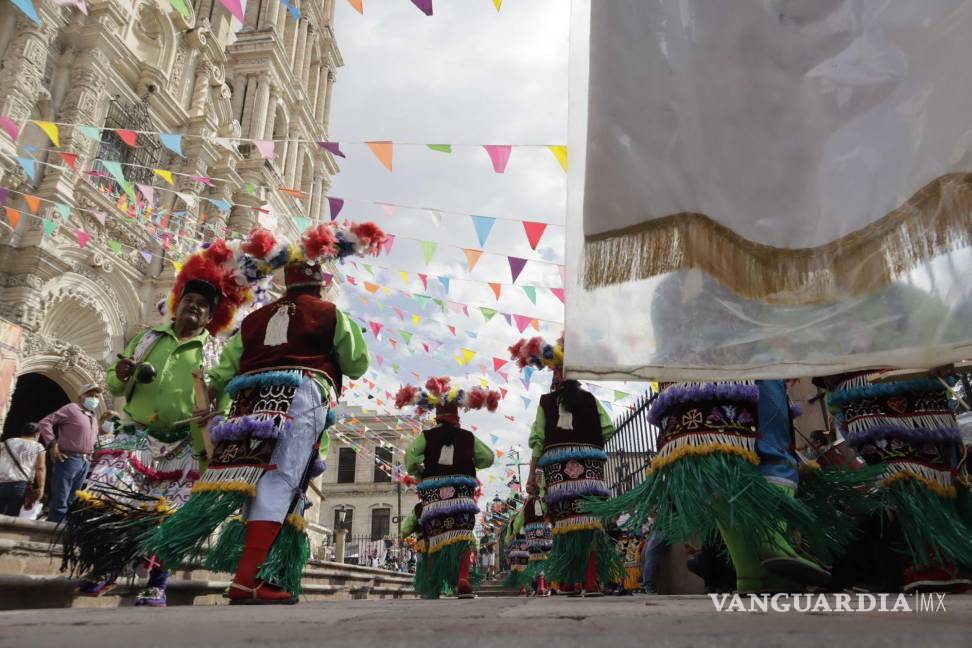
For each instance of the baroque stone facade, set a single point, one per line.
(141, 65)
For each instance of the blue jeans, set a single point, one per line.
(776, 463)
(649, 559)
(66, 480)
(12, 497)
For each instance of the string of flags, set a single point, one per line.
(382, 150)
(425, 6)
(234, 7)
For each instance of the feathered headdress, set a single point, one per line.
(439, 393)
(538, 353)
(328, 242)
(239, 271)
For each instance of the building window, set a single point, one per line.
(380, 519)
(383, 459)
(346, 465)
(348, 520)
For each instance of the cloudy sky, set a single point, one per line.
(466, 76)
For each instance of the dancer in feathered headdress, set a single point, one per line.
(286, 364)
(445, 459)
(149, 468)
(567, 441)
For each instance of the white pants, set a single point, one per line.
(292, 453)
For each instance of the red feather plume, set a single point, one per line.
(319, 241)
(260, 243)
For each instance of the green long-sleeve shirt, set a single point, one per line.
(171, 396)
(415, 455)
(540, 425)
(409, 525)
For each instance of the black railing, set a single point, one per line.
(632, 447)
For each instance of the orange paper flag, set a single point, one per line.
(13, 216)
(33, 202)
(496, 289)
(357, 5)
(382, 151)
(127, 136)
(472, 257)
(299, 195)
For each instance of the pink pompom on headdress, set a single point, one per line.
(319, 241)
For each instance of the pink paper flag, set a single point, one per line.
(333, 148)
(522, 322)
(388, 209)
(83, 237)
(502, 375)
(425, 6)
(101, 216)
(425, 281)
(452, 329)
(389, 242)
(380, 360)
(203, 179)
(146, 255)
(558, 293)
(8, 125)
(454, 307)
(398, 311)
(375, 328)
(234, 8)
(499, 155)
(266, 147)
(563, 275)
(516, 266)
(148, 191)
(498, 362)
(534, 231)
(128, 136)
(334, 205)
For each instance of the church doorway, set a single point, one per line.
(35, 397)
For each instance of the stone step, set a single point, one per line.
(30, 577)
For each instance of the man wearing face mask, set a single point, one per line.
(70, 434)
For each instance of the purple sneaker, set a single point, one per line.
(151, 597)
(95, 588)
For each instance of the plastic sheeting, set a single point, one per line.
(785, 187)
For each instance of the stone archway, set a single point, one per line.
(35, 396)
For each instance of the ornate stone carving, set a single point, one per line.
(71, 356)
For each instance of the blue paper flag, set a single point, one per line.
(483, 225)
(28, 8)
(173, 142)
(528, 373)
(526, 401)
(220, 204)
(445, 283)
(27, 164)
(302, 223)
(91, 133)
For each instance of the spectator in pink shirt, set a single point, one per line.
(70, 434)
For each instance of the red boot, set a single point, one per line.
(542, 589)
(245, 588)
(591, 587)
(465, 589)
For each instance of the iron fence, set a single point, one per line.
(632, 447)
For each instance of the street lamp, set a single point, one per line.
(340, 534)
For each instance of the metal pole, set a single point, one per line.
(399, 516)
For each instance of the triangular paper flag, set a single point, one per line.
(522, 322)
(483, 225)
(425, 6)
(415, 320)
(496, 289)
(115, 246)
(472, 257)
(296, 193)
(499, 155)
(33, 202)
(558, 293)
(389, 209)
(389, 242)
(148, 191)
(356, 4)
(27, 164)
(302, 223)
(382, 151)
(101, 216)
(173, 142)
(498, 363)
(488, 313)
(467, 355)
(13, 216)
(441, 148)
(265, 147)
(165, 175)
(535, 323)
(516, 266)
(436, 217)
(334, 206)
(70, 159)
(83, 237)
(534, 231)
(619, 395)
(63, 209)
(452, 329)
(560, 152)
(445, 283)
(428, 251)
(531, 292)
(406, 336)
(180, 6)
(375, 328)
(234, 8)
(92, 133)
(50, 129)
(146, 255)
(130, 137)
(49, 226)
(28, 8)
(333, 147)
(370, 287)
(10, 127)
(497, 4)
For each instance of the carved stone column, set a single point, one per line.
(23, 67)
(301, 53)
(327, 102)
(261, 102)
(271, 120)
(290, 171)
(320, 100)
(200, 92)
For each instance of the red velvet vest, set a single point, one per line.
(587, 422)
(463, 457)
(310, 338)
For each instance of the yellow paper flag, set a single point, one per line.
(50, 128)
(176, 265)
(356, 4)
(560, 152)
(458, 360)
(484, 383)
(404, 276)
(386, 290)
(467, 355)
(497, 4)
(382, 151)
(165, 175)
(415, 320)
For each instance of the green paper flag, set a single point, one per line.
(180, 6)
(367, 266)
(302, 223)
(49, 226)
(441, 304)
(428, 250)
(406, 336)
(63, 210)
(531, 292)
(115, 246)
(618, 395)
(487, 312)
(250, 189)
(395, 368)
(441, 148)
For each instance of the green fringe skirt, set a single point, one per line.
(438, 573)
